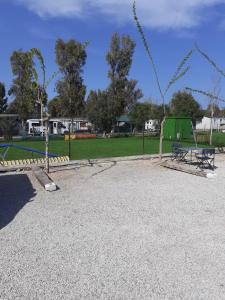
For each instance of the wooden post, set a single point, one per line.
(143, 139)
(194, 135)
(161, 138)
(211, 122)
(46, 145)
(69, 141)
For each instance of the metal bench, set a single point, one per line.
(206, 158)
(178, 153)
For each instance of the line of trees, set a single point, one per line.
(101, 107)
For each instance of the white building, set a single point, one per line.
(60, 125)
(152, 125)
(33, 127)
(57, 126)
(205, 124)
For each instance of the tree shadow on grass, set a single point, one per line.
(15, 192)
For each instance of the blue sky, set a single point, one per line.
(171, 28)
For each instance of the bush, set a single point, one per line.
(219, 139)
(7, 128)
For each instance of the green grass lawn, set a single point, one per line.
(97, 148)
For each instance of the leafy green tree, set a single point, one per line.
(3, 98)
(71, 58)
(159, 111)
(12, 108)
(183, 104)
(98, 110)
(104, 107)
(22, 87)
(141, 113)
(55, 108)
(122, 92)
(181, 70)
(216, 110)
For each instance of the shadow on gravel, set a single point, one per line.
(15, 192)
(113, 164)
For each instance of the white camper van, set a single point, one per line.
(57, 126)
(33, 127)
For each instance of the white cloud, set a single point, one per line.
(161, 14)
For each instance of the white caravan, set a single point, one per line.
(33, 127)
(205, 124)
(57, 126)
(152, 125)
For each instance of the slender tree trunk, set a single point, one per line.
(69, 141)
(211, 132)
(23, 127)
(42, 122)
(143, 139)
(194, 135)
(46, 147)
(211, 123)
(161, 138)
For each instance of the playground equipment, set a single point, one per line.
(8, 146)
(53, 158)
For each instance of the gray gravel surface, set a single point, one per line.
(130, 230)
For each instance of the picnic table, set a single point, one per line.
(191, 151)
(204, 157)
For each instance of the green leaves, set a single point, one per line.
(181, 69)
(207, 94)
(210, 61)
(36, 52)
(148, 50)
(3, 98)
(22, 87)
(71, 58)
(180, 72)
(183, 104)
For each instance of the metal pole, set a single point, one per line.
(211, 122)
(42, 108)
(69, 141)
(46, 147)
(42, 123)
(143, 139)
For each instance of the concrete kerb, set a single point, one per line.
(84, 162)
(90, 162)
(44, 179)
(117, 159)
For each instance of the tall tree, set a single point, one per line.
(71, 58)
(122, 92)
(158, 112)
(3, 98)
(22, 87)
(55, 108)
(183, 104)
(141, 113)
(181, 70)
(212, 107)
(98, 110)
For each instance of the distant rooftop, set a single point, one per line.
(124, 118)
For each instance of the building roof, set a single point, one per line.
(124, 118)
(9, 115)
(179, 118)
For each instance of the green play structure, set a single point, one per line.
(178, 128)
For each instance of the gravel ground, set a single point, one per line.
(128, 230)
